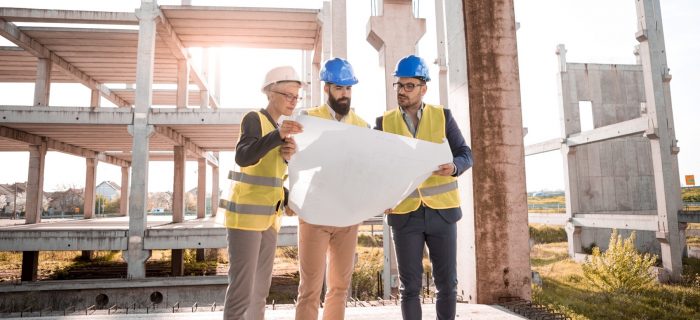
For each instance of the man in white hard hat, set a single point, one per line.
(318, 242)
(257, 198)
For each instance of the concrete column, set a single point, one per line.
(570, 124)
(214, 187)
(204, 94)
(201, 187)
(316, 92)
(89, 192)
(340, 26)
(35, 183)
(326, 31)
(441, 47)
(95, 100)
(663, 141)
(33, 206)
(141, 131)
(458, 96)
(392, 45)
(183, 79)
(217, 76)
(500, 197)
(383, 34)
(201, 196)
(179, 184)
(178, 262)
(124, 196)
(42, 86)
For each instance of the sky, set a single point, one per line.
(594, 31)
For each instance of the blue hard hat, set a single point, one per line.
(338, 71)
(412, 67)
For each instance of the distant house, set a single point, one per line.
(7, 193)
(108, 189)
(66, 201)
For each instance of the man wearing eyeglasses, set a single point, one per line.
(428, 216)
(257, 199)
(318, 241)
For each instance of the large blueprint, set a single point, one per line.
(342, 175)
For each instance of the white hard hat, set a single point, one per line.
(280, 74)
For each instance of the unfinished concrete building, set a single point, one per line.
(478, 81)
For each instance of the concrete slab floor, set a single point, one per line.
(464, 311)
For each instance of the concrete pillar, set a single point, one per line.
(201, 187)
(326, 31)
(500, 196)
(458, 100)
(35, 183)
(383, 34)
(179, 184)
(183, 79)
(340, 26)
(570, 124)
(89, 192)
(392, 45)
(95, 100)
(441, 48)
(136, 256)
(30, 265)
(663, 141)
(204, 94)
(33, 206)
(214, 187)
(217, 77)
(201, 196)
(178, 261)
(42, 86)
(124, 196)
(316, 92)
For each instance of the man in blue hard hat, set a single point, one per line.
(317, 242)
(428, 216)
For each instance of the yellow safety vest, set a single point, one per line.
(257, 197)
(437, 192)
(322, 112)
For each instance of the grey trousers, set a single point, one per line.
(251, 256)
(426, 226)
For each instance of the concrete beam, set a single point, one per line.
(200, 238)
(63, 240)
(169, 116)
(31, 139)
(620, 129)
(549, 219)
(634, 221)
(179, 140)
(689, 217)
(68, 16)
(65, 115)
(16, 36)
(544, 146)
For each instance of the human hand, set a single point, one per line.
(288, 148)
(446, 169)
(288, 211)
(290, 127)
(387, 211)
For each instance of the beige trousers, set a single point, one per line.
(316, 243)
(251, 255)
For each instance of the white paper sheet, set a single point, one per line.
(342, 174)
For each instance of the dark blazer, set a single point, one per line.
(462, 158)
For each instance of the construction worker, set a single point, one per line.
(257, 199)
(318, 242)
(429, 214)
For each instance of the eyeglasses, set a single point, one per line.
(408, 87)
(289, 97)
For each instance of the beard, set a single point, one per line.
(341, 107)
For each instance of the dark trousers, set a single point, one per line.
(411, 232)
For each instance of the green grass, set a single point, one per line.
(547, 234)
(565, 290)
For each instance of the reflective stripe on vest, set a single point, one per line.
(261, 181)
(256, 192)
(431, 191)
(437, 192)
(247, 208)
(322, 112)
